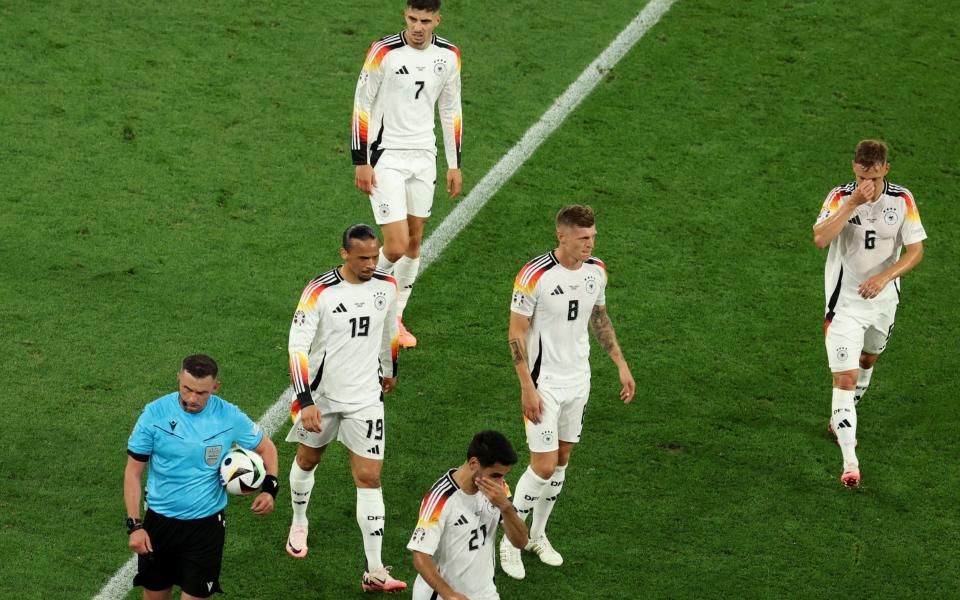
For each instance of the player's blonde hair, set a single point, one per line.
(870, 153)
(575, 215)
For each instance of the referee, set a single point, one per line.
(184, 436)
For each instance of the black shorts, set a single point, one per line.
(187, 553)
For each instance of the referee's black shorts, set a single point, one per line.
(186, 553)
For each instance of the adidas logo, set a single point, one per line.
(855, 220)
(403, 71)
(843, 423)
(557, 291)
(340, 308)
(461, 521)
(374, 450)
(378, 533)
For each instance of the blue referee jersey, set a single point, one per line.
(185, 451)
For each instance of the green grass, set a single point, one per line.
(174, 174)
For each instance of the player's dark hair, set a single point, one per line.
(870, 153)
(491, 447)
(360, 231)
(200, 366)
(575, 215)
(428, 5)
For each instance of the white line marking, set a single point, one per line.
(460, 216)
(122, 581)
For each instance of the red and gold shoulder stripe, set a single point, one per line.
(913, 215)
(445, 43)
(531, 273)
(434, 501)
(380, 48)
(308, 300)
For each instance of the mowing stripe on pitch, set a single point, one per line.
(122, 581)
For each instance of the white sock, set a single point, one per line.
(370, 518)
(528, 492)
(406, 273)
(384, 263)
(844, 422)
(301, 484)
(863, 382)
(544, 506)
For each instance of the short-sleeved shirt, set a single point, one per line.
(869, 243)
(459, 531)
(559, 302)
(185, 450)
(343, 338)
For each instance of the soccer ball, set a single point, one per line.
(242, 471)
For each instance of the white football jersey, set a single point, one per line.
(396, 92)
(869, 243)
(343, 336)
(460, 532)
(559, 302)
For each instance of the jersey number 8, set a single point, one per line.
(572, 310)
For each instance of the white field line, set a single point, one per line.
(122, 581)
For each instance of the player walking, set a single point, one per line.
(453, 543)
(343, 351)
(392, 137)
(554, 297)
(866, 223)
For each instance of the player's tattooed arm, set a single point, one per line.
(517, 351)
(603, 330)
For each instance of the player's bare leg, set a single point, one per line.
(406, 270)
(396, 238)
(301, 485)
(843, 421)
(159, 594)
(370, 518)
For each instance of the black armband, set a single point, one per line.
(137, 456)
(271, 486)
(305, 399)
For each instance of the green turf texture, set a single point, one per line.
(173, 174)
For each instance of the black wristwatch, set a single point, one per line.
(133, 525)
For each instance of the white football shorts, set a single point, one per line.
(405, 183)
(561, 418)
(361, 428)
(854, 331)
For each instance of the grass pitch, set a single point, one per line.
(173, 175)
